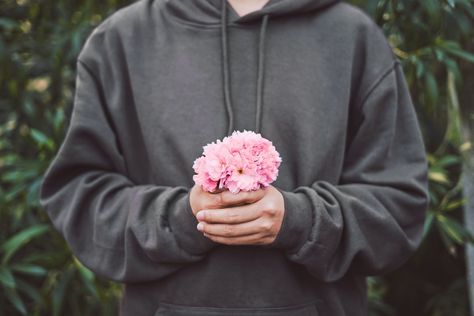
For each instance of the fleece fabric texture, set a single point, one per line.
(151, 90)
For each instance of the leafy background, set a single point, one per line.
(39, 43)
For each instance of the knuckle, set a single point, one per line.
(266, 226)
(249, 197)
(228, 230)
(220, 200)
(233, 216)
(269, 211)
(207, 204)
(267, 241)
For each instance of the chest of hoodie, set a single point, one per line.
(175, 76)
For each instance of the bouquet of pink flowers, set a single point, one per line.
(244, 161)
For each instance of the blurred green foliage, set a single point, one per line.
(39, 43)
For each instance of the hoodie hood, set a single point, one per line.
(208, 12)
(214, 13)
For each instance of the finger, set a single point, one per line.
(235, 230)
(216, 191)
(254, 239)
(228, 199)
(243, 197)
(232, 215)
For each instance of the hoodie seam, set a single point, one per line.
(208, 27)
(377, 82)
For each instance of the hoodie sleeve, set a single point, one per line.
(121, 230)
(372, 220)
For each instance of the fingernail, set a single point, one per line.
(200, 215)
(200, 226)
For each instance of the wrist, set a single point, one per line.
(296, 224)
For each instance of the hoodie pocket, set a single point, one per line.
(167, 309)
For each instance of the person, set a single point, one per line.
(158, 80)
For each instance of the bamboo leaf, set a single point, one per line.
(8, 24)
(455, 205)
(41, 138)
(59, 118)
(31, 291)
(12, 245)
(15, 191)
(448, 160)
(18, 175)
(431, 87)
(457, 232)
(59, 291)
(88, 278)
(29, 269)
(438, 177)
(453, 67)
(6, 277)
(458, 52)
(15, 299)
(428, 223)
(448, 243)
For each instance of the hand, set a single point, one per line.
(251, 224)
(200, 199)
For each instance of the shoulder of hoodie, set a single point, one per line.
(107, 37)
(369, 37)
(372, 52)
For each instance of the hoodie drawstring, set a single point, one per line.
(260, 72)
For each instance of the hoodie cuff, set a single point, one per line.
(297, 222)
(183, 225)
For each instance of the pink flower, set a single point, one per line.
(243, 161)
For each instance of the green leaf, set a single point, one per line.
(59, 118)
(88, 278)
(448, 243)
(456, 231)
(453, 67)
(31, 291)
(431, 88)
(29, 269)
(428, 222)
(420, 68)
(38, 136)
(458, 51)
(6, 277)
(8, 24)
(10, 159)
(448, 160)
(59, 291)
(41, 139)
(32, 198)
(15, 299)
(19, 175)
(440, 55)
(15, 191)
(438, 176)
(464, 22)
(13, 244)
(455, 205)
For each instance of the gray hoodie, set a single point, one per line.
(159, 79)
